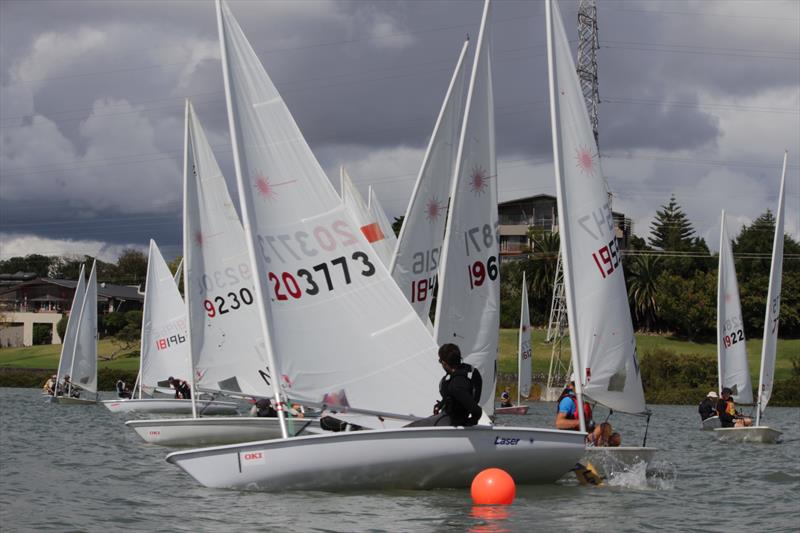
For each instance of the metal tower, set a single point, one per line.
(588, 44)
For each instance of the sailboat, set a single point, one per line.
(164, 348)
(732, 367)
(339, 340)
(228, 357)
(758, 432)
(79, 351)
(524, 358)
(377, 212)
(381, 241)
(415, 264)
(602, 342)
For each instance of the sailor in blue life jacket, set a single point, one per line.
(460, 389)
(567, 413)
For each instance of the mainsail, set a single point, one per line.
(70, 336)
(165, 351)
(228, 352)
(601, 332)
(524, 352)
(415, 265)
(733, 370)
(83, 371)
(767, 373)
(336, 325)
(467, 308)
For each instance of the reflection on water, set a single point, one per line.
(78, 467)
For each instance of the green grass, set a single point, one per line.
(646, 343)
(46, 357)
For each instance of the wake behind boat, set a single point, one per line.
(408, 458)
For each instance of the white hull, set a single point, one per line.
(608, 460)
(214, 430)
(170, 406)
(710, 423)
(68, 400)
(408, 458)
(762, 434)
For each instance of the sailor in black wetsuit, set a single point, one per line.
(708, 407)
(460, 389)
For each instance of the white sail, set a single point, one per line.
(385, 247)
(178, 273)
(83, 371)
(767, 373)
(165, 350)
(70, 335)
(365, 219)
(415, 264)
(228, 351)
(468, 301)
(733, 369)
(335, 323)
(524, 351)
(601, 332)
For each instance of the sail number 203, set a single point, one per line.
(607, 258)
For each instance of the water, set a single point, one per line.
(78, 468)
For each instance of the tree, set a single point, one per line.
(642, 276)
(131, 267)
(688, 305)
(671, 229)
(38, 264)
(672, 232)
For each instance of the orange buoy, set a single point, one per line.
(493, 486)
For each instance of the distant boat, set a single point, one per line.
(524, 358)
(164, 348)
(757, 432)
(603, 345)
(79, 351)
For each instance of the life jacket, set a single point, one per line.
(587, 409)
(472, 375)
(730, 407)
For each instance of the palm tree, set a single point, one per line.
(642, 273)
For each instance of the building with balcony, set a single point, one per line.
(540, 212)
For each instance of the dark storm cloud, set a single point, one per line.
(92, 92)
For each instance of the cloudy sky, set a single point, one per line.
(699, 100)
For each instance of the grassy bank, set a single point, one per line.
(29, 367)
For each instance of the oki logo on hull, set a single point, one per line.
(252, 458)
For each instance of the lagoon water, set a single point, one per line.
(78, 468)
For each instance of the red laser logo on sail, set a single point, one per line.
(479, 181)
(433, 210)
(265, 188)
(585, 159)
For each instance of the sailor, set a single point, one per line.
(460, 389)
(708, 407)
(122, 389)
(567, 413)
(728, 415)
(50, 385)
(505, 399)
(182, 389)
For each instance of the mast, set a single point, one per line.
(257, 279)
(519, 341)
(558, 165)
(719, 297)
(186, 237)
